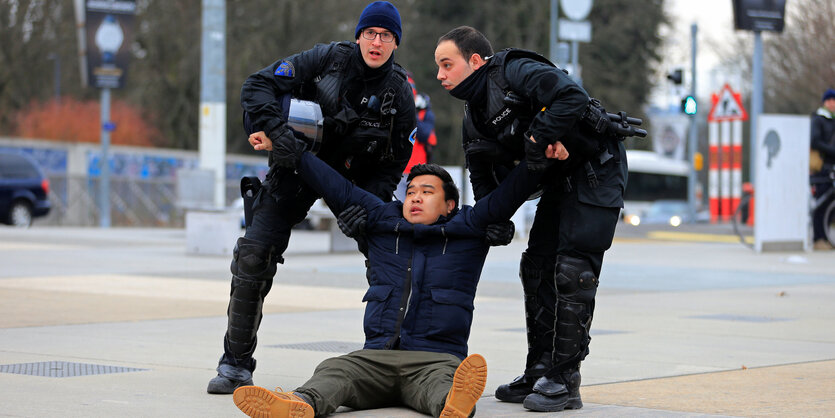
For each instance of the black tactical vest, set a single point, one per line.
(500, 128)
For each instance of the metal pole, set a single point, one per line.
(575, 69)
(555, 13)
(104, 179)
(756, 101)
(692, 143)
(212, 134)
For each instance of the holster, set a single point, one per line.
(249, 189)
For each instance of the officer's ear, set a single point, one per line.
(476, 61)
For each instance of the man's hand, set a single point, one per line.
(535, 154)
(556, 151)
(352, 221)
(259, 141)
(287, 149)
(500, 233)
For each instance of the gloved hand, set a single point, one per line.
(352, 221)
(500, 233)
(287, 148)
(342, 121)
(535, 154)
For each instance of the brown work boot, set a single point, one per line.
(823, 245)
(259, 402)
(467, 387)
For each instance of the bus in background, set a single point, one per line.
(652, 178)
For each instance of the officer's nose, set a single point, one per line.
(439, 76)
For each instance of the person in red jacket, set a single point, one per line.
(425, 140)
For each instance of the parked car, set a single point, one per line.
(24, 190)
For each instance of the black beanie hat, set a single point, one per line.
(380, 14)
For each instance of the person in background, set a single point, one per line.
(425, 140)
(822, 142)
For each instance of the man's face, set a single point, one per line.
(453, 68)
(829, 104)
(375, 52)
(426, 200)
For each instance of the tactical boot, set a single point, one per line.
(228, 379)
(517, 390)
(259, 402)
(467, 387)
(555, 394)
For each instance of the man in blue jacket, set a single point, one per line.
(426, 255)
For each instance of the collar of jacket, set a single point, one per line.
(369, 73)
(474, 88)
(822, 111)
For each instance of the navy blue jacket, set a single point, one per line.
(422, 278)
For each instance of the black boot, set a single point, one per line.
(537, 275)
(556, 394)
(253, 268)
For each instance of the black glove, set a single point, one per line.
(535, 154)
(287, 148)
(342, 121)
(352, 221)
(500, 233)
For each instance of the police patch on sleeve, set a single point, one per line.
(413, 136)
(285, 69)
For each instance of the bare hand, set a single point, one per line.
(556, 150)
(259, 141)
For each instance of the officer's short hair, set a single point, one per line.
(450, 191)
(469, 41)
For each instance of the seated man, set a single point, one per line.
(425, 260)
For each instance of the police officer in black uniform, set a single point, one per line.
(519, 105)
(369, 114)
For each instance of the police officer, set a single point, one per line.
(519, 105)
(369, 114)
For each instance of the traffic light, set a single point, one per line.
(675, 76)
(689, 105)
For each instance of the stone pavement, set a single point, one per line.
(685, 325)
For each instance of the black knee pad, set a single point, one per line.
(253, 260)
(575, 279)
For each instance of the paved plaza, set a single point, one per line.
(123, 323)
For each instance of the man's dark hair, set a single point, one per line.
(469, 41)
(450, 191)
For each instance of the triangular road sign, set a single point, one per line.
(727, 105)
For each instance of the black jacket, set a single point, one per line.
(551, 108)
(422, 278)
(823, 136)
(365, 145)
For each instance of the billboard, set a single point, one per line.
(109, 34)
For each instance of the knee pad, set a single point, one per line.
(575, 279)
(253, 260)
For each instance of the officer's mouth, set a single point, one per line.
(375, 54)
(447, 86)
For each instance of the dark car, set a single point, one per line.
(23, 190)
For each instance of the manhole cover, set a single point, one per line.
(329, 346)
(63, 369)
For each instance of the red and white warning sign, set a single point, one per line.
(725, 153)
(727, 105)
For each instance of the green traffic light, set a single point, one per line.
(689, 105)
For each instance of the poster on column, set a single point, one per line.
(109, 32)
(781, 188)
(669, 133)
